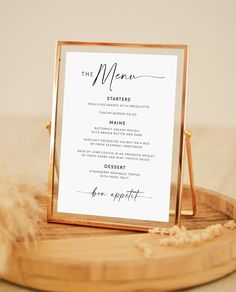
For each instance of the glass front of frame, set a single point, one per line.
(117, 134)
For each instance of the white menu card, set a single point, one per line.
(117, 135)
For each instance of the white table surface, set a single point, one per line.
(26, 142)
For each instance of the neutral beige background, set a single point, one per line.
(30, 28)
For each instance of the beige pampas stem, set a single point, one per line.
(181, 236)
(20, 213)
(143, 246)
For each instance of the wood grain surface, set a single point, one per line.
(75, 258)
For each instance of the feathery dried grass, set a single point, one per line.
(20, 213)
(144, 247)
(180, 236)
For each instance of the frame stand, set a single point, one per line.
(192, 211)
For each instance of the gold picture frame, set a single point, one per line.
(112, 222)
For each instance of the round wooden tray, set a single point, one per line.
(73, 258)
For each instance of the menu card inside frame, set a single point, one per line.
(117, 135)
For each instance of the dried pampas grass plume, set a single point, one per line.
(180, 236)
(20, 213)
(143, 246)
